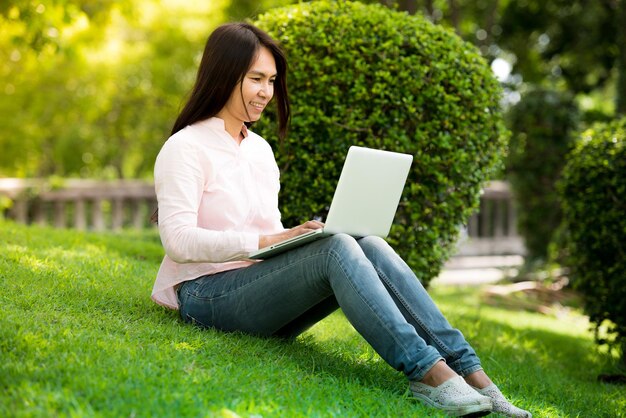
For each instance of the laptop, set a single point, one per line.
(365, 200)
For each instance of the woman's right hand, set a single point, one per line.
(267, 240)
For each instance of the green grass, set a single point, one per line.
(79, 336)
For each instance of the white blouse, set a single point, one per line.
(215, 198)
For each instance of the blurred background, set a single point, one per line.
(90, 88)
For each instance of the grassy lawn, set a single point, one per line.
(79, 336)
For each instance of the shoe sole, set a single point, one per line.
(479, 410)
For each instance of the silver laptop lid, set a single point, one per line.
(368, 192)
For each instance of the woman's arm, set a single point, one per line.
(179, 183)
(267, 240)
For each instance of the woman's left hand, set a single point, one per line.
(267, 240)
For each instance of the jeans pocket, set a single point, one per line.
(196, 310)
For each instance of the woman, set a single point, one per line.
(217, 187)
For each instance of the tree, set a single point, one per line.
(91, 88)
(593, 192)
(565, 38)
(365, 75)
(248, 9)
(621, 42)
(544, 123)
(578, 45)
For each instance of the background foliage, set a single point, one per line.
(91, 88)
(365, 75)
(544, 124)
(563, 39)
(593, 191)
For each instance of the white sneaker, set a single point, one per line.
(501, 405)
(454, 396)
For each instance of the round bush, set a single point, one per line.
(593, 193)
(543, 123)
(366, 75)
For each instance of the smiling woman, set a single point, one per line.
(217, 189)
(256, 88)
(236, 55)
(211, 161)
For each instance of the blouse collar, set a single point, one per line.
(218, 123)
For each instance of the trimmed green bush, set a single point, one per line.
(543, 124)
(366, 75)
(593, 191)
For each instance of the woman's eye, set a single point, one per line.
(272, 80)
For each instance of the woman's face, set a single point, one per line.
(249, 98)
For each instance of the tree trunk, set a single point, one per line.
(455, 15)
(430, 7)
(490, 21)
(408, 5)
(621, 60)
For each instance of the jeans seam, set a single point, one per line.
(336, 257)
(409, 309)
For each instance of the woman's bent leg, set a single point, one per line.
(418, 307)
(267, 296)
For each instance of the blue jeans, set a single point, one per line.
(377, 291)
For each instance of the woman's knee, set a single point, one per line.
(342, 240)
(344, 245)
(365, 246)
(373, 244)
(378, 251)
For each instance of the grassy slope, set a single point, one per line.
(79, 336)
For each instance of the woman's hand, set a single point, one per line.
(267, 240)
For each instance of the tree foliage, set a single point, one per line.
(593, 191)
(366, 75)
(248, 9)
(87, 86)
(544, 124)
(578, 45)
(90, 88)
(574, 40)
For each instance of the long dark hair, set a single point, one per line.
(227, 57)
